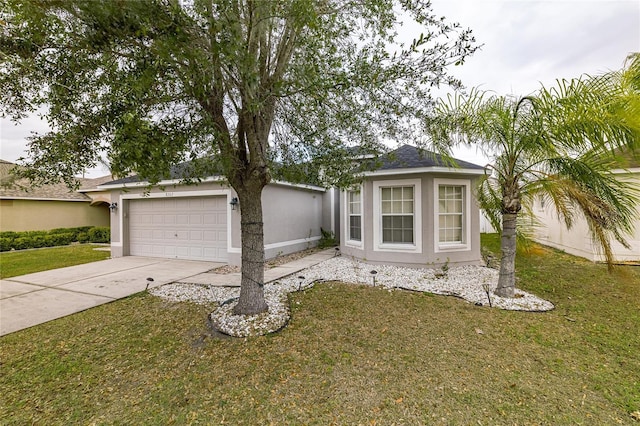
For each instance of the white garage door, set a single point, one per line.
(192, 228)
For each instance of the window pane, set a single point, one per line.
(396, 194)
(396, 206)
(407, 222)
(407, 236)
(386, 207)
(396, 222)
(386, 236)
(407, 207)
(407, 193)
(386, 194)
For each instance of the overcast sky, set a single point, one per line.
(526, 43)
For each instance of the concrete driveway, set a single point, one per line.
(33, 299)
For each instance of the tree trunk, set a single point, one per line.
(507, 279)
(251, 299)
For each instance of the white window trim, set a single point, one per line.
(378, 245)
(349, 242)
(449, 247)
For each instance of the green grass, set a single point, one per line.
(14, 263)
(350, 355)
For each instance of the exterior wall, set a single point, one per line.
(292, 219)
(292, 216)
(42, 215)
(426, 253)
(577, 240)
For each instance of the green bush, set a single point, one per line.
(54, 237)
(34, 234)
(99, 234)
(62, 239)
(22, 243)
(39, 241)
(9, 234)
(5, 243)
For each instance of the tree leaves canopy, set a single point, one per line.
(150, 83)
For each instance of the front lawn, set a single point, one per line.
(14, 263)
(350, 355)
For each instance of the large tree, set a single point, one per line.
(236, 86)
(560, 143)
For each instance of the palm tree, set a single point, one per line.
(559, 143)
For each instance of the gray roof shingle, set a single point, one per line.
(410, 157)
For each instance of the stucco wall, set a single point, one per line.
(292, 219)
(40, 215)
(577, 240)
(427, 252)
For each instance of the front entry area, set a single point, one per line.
(192, 228)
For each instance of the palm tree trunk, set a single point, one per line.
(251, 299)
(507, 278)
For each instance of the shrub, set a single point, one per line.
(38, 241)
(22, 243)
(34, 234)
(62, 239)
(6, 243)
(100, 234)
(9, 234)
(53, 237)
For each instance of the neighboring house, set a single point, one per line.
(202, 222)
(24, 208)
(413, 210)
(577, 240)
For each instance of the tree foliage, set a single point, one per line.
(236, 86)
(560, 143)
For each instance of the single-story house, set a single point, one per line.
(413, 210)
(25, 208)
(577, 241)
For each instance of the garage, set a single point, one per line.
(192, 228)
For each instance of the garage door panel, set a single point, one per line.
(184, 228)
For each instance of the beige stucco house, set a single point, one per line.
(24, 208)
(577, 240)
(413, 209)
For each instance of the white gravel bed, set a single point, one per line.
(466, 282)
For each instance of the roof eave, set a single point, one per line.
(172, 182)
(433, 169)
(10, 197)
(168, 182)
